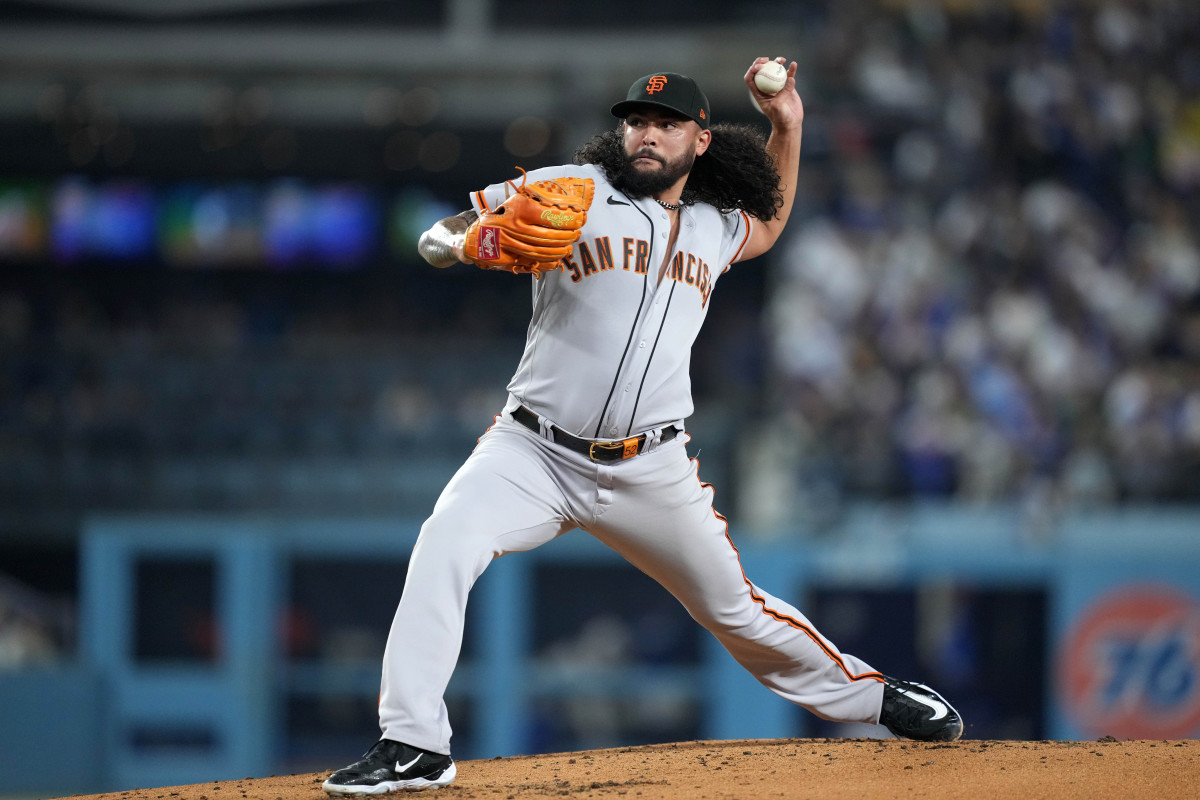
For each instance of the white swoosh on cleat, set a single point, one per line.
(939, 708)
(401, 769)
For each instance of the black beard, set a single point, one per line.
(638, 183)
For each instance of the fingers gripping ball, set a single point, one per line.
(532, 231)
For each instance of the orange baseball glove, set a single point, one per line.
(532, 231)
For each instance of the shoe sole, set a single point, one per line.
(385, 787)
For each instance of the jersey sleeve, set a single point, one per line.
(490, 197)
(738, 227)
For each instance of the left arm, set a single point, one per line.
(786, 113)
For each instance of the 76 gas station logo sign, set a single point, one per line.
(1130, 665)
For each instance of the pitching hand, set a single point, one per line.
(784, 108)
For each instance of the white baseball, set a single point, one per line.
(771, 78)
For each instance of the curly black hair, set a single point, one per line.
(735, 172)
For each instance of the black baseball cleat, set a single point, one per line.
(914, 711)
(392, 767)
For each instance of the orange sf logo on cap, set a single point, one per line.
(657, 84)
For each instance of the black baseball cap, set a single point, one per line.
(669, 90)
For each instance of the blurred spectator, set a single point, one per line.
(34, 629)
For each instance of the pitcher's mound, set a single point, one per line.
(820, 769)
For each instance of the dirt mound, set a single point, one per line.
(829, 769)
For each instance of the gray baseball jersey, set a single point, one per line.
(606, 357)
(609, 346)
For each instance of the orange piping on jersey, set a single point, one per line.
(745, 239)
(809, 632)
(483, 203)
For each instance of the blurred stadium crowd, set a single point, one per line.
(992, 286)
(990, 290)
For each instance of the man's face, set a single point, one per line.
(660, 148)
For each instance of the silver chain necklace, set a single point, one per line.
(668, 206)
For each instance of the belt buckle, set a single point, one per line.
(628, 448)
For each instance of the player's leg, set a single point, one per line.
(500, 501)
(506, 498)
(662, 520)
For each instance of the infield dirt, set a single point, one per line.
(824, 769)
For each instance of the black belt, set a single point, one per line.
(596, 451)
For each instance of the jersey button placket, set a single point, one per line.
(617, 418)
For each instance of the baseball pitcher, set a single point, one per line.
(625, 247)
